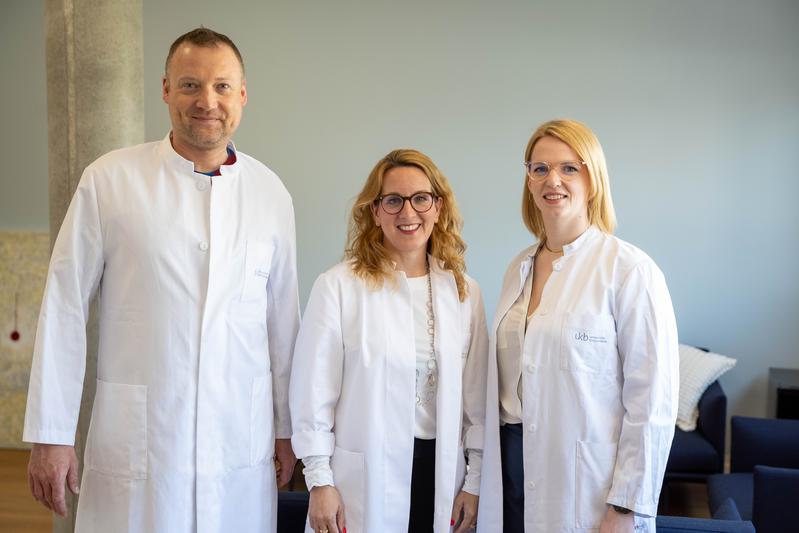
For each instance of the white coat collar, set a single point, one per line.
(568, 249)
(588, 235)
(178, 162)
(525, 260)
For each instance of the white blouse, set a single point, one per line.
(510, 339)
(425, 422)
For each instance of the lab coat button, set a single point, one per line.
(531, 484)
(557, 267)
(531, 368)
(203, 246)
(201, 185)
(532, 427)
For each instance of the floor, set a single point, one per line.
(19, 512)
(685, 499)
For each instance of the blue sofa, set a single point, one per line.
(763, 481)
(678, 524)
(695, 455)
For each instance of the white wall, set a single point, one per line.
(695, 103)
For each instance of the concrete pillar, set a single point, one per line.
(95, 103)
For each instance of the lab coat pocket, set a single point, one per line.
(257, 264)
(588, 343)
(349, 471)
(117, 441)
(262, 431)
(594, 464)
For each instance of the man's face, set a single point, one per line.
(205, 91)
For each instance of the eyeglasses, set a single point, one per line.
(421, 202)
(567, 170)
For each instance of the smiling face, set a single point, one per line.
(406, 233)
(205, 90)
(563, 204)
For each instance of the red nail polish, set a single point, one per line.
(452, 522)
(345, 530)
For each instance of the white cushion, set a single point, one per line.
(698, 369)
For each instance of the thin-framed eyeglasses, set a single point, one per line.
(567, 170)
(421, 202)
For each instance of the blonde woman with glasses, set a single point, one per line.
(584, 345)
(388, 383)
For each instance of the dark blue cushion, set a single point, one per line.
(776, 499)
(763, 441)
(727, 511)
(679, 524)
(691, 452)
(735, 486)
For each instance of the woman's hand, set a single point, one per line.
(464, 512)
(326, 510)
(615, 522)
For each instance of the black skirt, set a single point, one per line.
(423, 486)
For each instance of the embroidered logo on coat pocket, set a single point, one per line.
(589, 343)
(257, 262)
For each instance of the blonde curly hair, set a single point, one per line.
(365, 249)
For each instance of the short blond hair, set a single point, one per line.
(583, 141)
(370, 260)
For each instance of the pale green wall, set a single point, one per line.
(23, 116)
(695, 102)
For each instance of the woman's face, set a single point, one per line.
(406, 232)
(562, 202)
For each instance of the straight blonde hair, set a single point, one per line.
(586, 145)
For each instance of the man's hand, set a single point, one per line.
(464, 512)
(284, 461)
(49, 467)
(615, 522)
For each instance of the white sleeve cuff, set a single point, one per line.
(317, 471)
(471, 483)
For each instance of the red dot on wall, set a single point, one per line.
(15, 335)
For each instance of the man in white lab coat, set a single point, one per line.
(191, 245)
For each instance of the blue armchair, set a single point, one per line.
(695, 455)
(764, 478)
(678, 524)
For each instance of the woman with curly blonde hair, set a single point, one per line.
(388, 383)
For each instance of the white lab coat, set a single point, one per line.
(599, 373)
(198, 316)
(353, 392)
